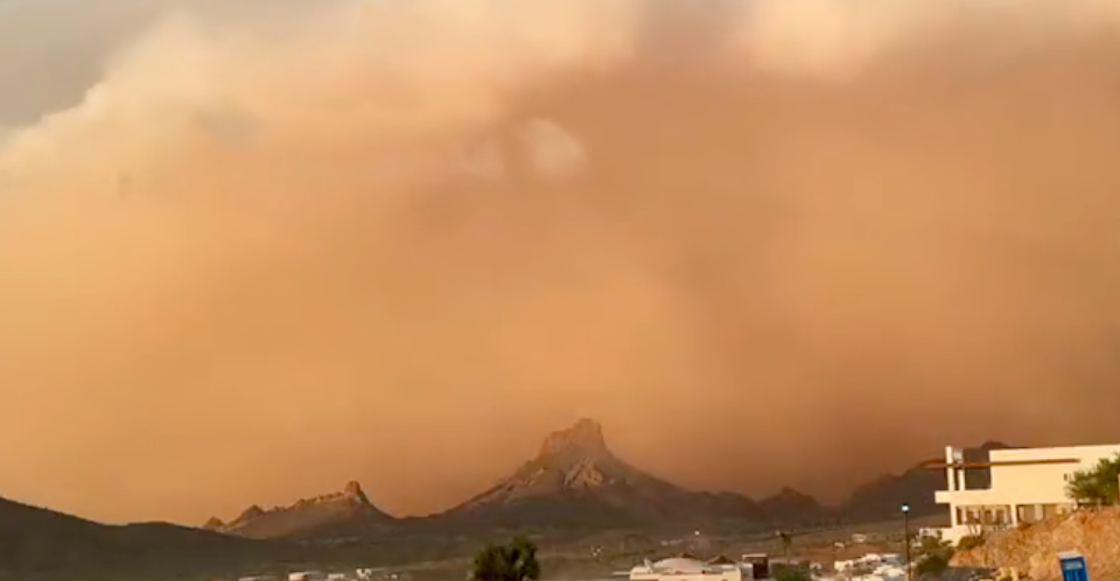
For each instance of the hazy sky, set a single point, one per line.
(810, 241)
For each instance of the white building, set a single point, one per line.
(1027, 485)
(871, 563)
(870, 567)
(685, 569)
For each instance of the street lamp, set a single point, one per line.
(906, 536)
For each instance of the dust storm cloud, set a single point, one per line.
(822, 237)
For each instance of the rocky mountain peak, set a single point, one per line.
(348, 507)
(583, 439)
(353, 492)
(214, 524)
(249, 514)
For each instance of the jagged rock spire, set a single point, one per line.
(585, 437)
(353, 491)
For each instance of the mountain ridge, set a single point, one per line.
(307, 515)
(575, 481)
(574, 484)
(576, 476)
(38, 543)
(880, 498)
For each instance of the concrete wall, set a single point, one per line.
(1043, 483)
(1020, 491)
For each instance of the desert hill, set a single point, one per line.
(881, 498)
(790, 507)
(575, 485)
(1033, 549)
(37, 543)
(348, 510)
(576, 482)
(576, 477)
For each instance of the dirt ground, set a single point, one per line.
(1034, 549)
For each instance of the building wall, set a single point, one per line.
(1043, 483)
(1022, 493)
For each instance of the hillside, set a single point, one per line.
(349, 510)
(577, 481)
(790, 507)
(1033, 549)
(881, 498)
(573, 477)
(574, 483)
(39, 543)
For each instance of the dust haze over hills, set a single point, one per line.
(577, 485)
(801, 245)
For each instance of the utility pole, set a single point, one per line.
(906, 536)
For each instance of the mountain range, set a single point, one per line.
(576, 482)
(37, 543)
(307, 516)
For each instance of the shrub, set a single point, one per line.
(969, 542)
(792, 574)
(1097, 486)
(933, 556)
(516, 561)
(934, 564)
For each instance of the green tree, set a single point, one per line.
(1096, 486)
(933, 556)
(514, 561)
(969, 542)
(792, 573)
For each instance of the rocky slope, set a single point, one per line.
(576, 480)
(790, 507)
(349, 510)
(37, 543)
(1034, 549)
(881, 498)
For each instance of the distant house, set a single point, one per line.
(930, 533)
(872, 567)
(1026, 486)
(686, 569)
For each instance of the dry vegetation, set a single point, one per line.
(1033, 549)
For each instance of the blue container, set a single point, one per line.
(1074, 567)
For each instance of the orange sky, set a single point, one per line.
(806, 246)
